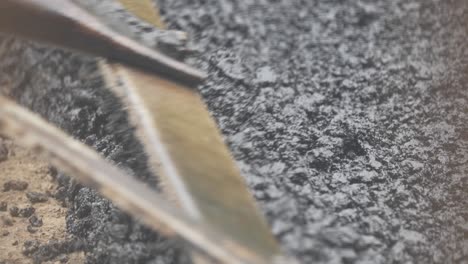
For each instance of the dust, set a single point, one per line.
(42, 228)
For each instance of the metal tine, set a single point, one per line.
(66, 24)
(129, 194)
(187, 151)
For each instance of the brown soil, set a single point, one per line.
(23, 165)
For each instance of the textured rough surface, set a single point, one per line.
(348, 119)
(115, 16)
(67, 89)
(40, 237)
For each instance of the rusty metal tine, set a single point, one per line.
(64, 23)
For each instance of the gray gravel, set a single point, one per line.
(347, 118)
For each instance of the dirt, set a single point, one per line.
(22, 171)
(347, 118)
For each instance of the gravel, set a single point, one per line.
(26, 212)
(15, 185)
(35, 221)
(347, 118)
(22, 212)
(44, 252)
(37, 197)
(14, 211)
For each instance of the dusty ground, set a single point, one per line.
(16, 233)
